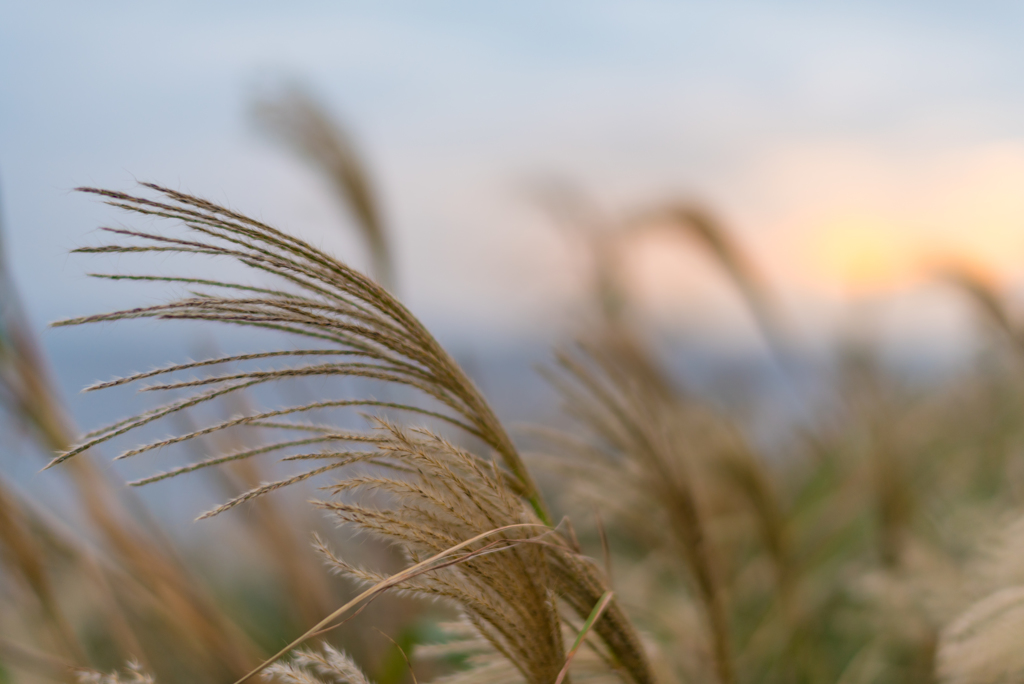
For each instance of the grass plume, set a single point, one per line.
(513, 589)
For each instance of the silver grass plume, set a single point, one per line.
(133, 674)
(375, 336)
(328, 666)
(438, 496)
(513, 588)
(485, 666)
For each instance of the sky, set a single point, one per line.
(849, 146)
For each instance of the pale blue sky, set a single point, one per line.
(781, 114)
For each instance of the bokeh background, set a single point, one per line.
(853, 150)
(847, 145)
(850, 149)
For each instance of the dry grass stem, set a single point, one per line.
(460, 518)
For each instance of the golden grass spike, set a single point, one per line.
(133, 674)
(441, 496)
(394, 580)
(308, 666)
(333, 302)
(173, 368)
(303, 124)
(345, 458)
(248, 453)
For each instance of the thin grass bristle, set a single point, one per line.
(463, 519)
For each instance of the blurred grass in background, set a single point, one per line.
(874, 538)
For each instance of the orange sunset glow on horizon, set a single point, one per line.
(847, 224)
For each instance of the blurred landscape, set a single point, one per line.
(736, 290)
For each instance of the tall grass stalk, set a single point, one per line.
(442, 497)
